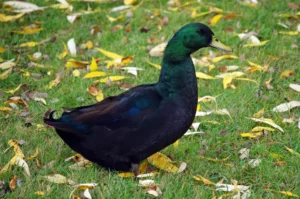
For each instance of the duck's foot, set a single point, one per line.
(135, 169)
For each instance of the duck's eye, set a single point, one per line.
(201, 31)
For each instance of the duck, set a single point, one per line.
(121, 131)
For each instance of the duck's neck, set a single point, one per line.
(178, 72)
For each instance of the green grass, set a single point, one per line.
(243, 102)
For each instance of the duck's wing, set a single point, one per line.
(125, 111)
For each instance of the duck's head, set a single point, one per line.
(192, 37)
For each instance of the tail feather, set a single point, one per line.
(62, 124)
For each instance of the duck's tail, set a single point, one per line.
(64, 123)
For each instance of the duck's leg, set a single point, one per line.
(135, 169)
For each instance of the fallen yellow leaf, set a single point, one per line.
(155, 65)
(126, 174)
(256, 67)
(99, 96)
(162, 162)
(276, 156)
(129, 2)
(26, 30)
(176, 143)
(293, 33)
(259, 44)
(39, 193)
(113, 19)
(268, 121)
(251, 134)
(17, 149)
(195, 15)
(57, 178)
(94, 74)
(93, 66)
(87, 45)
(216, 19)
(227, 81)
(55, 82)
(6, 18)
(82, 187)
(217, 59)
(2, 50)
(14, 90)
(259, 114)
(262, 128)
(5, 109)
(9, 164)
(287, 73)
(201, 75)
(5, 74)
(292, 151)
(287, 193)
(64, 53)
(76, 64)
(29, 44)
(204, 180)
(76, 73)
(111, 78)
(34, 155)
(215, 160)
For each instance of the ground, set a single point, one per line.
(151, 23)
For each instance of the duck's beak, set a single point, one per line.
(217, 44)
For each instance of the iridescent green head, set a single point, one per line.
(191, 38)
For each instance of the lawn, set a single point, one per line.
(265, 72)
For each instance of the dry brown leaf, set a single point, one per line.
(13, 183)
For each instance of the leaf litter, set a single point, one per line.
(208, 68)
